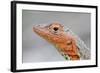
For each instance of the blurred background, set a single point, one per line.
(36, 49)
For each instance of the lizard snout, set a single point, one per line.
(36, 27)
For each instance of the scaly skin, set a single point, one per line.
(64, 42)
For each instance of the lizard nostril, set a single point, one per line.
(55, 28)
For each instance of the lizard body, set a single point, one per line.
(64, 42)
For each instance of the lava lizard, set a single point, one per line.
(64, 42)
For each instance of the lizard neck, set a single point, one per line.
(68, 50)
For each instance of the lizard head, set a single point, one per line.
(55, 34)
(52, 32)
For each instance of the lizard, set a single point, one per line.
(64, 42)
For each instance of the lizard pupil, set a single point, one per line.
(55, 28)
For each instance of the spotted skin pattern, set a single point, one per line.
(64, 42)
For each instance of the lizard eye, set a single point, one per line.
(55, 28)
